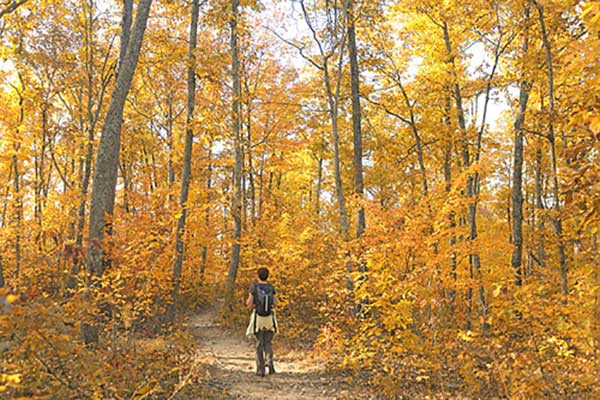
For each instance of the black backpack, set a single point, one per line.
(263, 299)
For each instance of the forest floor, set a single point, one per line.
(232, 367)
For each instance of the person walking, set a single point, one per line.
(263, 324)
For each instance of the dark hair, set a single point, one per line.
(263, 273)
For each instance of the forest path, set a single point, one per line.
(232, 360)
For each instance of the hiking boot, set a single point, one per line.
(260, 373)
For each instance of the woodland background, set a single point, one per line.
(421, 178)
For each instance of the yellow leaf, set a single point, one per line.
(497, 290)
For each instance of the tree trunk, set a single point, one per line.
(39, 164)
(474, 261)
(187, 160)
(1, 273)
(171, 148)
(3, 225)
(319, 178)
(517, 191)
(539, 205)
(451, 215)
(416, 136)
(125, 32)
(556, 219)
(238, 166)
(107, 161)
(356, 128)
(126, 182)
(333, 113)
(251, 172)
(207, 215)
(17, 189)
(92, 115)
(260, 183)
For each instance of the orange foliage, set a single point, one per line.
(416, 315)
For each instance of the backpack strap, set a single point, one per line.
(254, 328)
(274, 322)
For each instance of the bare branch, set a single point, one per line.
(12, 6)
(298, 47)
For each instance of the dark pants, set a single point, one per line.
(263, 348)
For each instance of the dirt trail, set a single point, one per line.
(232, 360)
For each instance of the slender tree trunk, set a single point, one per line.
(85, 184)
(2, 283)
(187, 160)
(244, 192)
(238, 166)
(3, 225)
(336, 162)
(17, 189)
(260, 184)
(125, 32)
(539, 205)
(126, 182)
(319, 178)
(39, 162)
(171, 149)
(556, 219)
(251, 170)
(416, 136)
(356, 122)
(517, 191)
(451, 215)
(207, 216)
(333, 104)
(474, 261)
(92, 116)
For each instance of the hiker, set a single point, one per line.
(263, 324)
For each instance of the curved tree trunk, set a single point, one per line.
(238, 166)
(187, 160)
(107, 161)
(556, 220)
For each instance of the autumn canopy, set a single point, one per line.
(421, 178)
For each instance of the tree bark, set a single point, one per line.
(171, 149)
(539, 205)
(451, 215)
(238, 166)
(356, 120)
(206, 216)
(319, 177)
(107, 161)
(1, 273)
(556, 219)
(17, 188)
(92, 115)
(333, 111)
(3, 225)
(517, 191)
(474, 261)
(125, 32)
(187, 160)
(416, 136)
